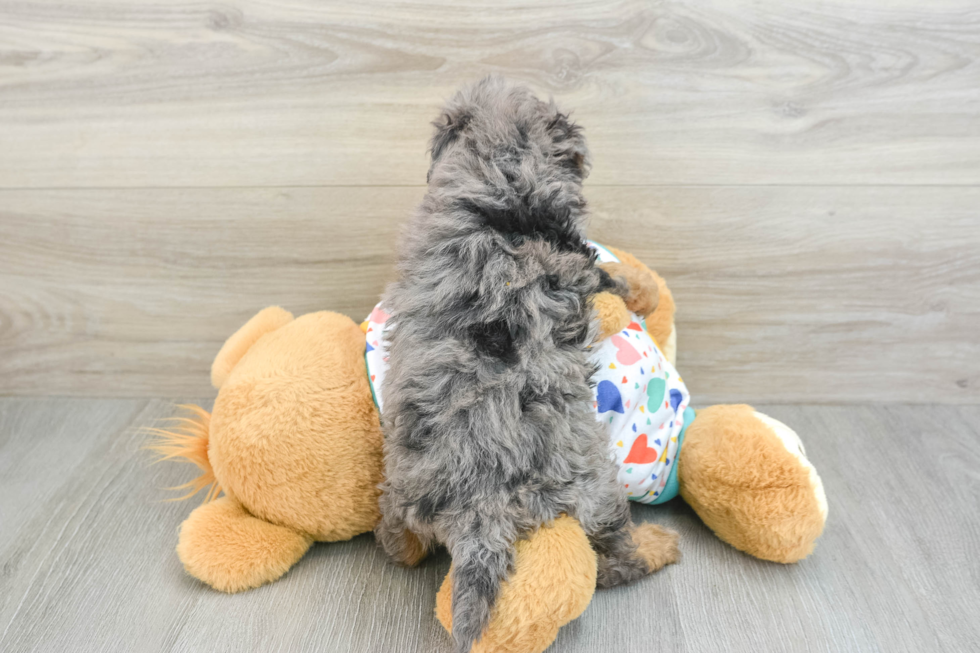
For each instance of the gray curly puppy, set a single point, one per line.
(489, 426)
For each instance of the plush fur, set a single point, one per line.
(293, 441)
(234, 551)
(660, 320)
(488, 421)
(263, 322)
(186, 440)
(748, 487)
(644, 292)
(643, 295)
(611, 314)
(306, 453)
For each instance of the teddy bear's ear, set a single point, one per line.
(265, 321)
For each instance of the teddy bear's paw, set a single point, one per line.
(657, 545)
(643, 292)
(611, 314)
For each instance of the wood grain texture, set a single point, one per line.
(123, 292)
(110, 93)
(87, 561)
(805, 176)
(842, 294)
(814, 294)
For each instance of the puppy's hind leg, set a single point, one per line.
(626, 552)
(401, 544)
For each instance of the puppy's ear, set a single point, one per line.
(448, 128)
(570, 148)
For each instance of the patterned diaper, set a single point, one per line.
(638, 396)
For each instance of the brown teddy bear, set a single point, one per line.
(294, 443)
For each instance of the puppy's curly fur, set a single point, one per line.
(488, 419)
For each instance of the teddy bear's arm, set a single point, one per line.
(612, 314)
(660, 323)
(643, 293)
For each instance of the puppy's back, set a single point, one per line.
(487, 386)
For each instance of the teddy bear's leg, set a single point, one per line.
(552, 583)
(224, 546)
(747, 477)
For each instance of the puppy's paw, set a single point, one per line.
(656, 545)
(643, 293)
(413, 550)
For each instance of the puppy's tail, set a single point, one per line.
(482, 557)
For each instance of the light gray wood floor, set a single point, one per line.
(87, 560)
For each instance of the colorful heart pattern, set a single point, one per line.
(608, 398)
(643, 436)
(655, 392)
(626, 354)
(376, 352)
(640, 453)
(377, 317)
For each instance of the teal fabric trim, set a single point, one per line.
(672, 488)
(604, 249)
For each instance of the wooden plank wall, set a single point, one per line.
(805, 175)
